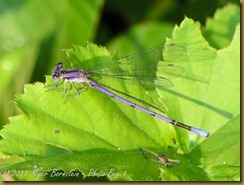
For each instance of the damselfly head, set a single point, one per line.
(57, 71)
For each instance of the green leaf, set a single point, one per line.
(217, 150)
(211, 99)
(220, 30)
(225, 173)
(98, 136)
(198, 90)
(189, 52)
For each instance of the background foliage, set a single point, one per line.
(31, 46)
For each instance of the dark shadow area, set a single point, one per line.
(11, 4)
(43, 59)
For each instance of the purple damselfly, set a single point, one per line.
(80, 76)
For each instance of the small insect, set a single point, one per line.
(160, 158)
(56, 131)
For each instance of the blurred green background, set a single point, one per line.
(34, 32)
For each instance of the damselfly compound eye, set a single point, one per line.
(55, 77)
(59, 66)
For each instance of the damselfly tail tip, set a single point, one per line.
(200, 132)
